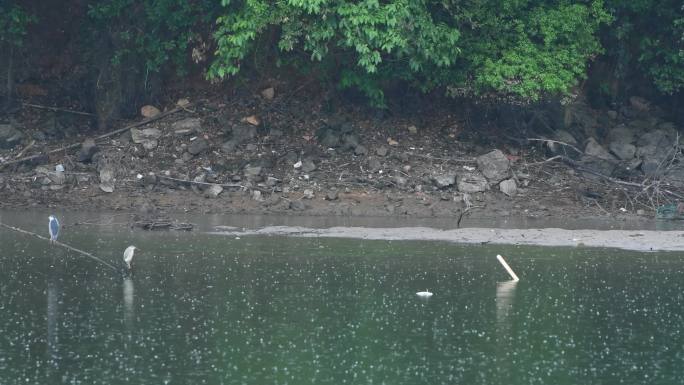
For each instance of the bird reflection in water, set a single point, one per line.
(129, 303)
(52, 323)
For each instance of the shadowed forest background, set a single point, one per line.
(110, 57)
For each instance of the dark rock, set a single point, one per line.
(400, 181)
(229, 146)
(472, 182)
(332, 195)
(594, 149)
(350, 142)
(360, 150)
(374, 164)
(185, 157)
(622, 133)
(149, 179)
(88, 149)
(243, 132)
(291, 158)
(297, 205)
(9, 136)
(39, 136)
(187, 126)
(494, 165)
(639, 104)
(444, 180)
(328, 138)
(198, 146)
(308, 165)
(654, 148)
(622, 150)
(602, 166)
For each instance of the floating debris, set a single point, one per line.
(162, 223)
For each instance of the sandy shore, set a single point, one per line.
(639, 240)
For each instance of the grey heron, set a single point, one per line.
(128, 256)
(53, 228)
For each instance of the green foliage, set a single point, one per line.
(157, 31)
(649, 37)
(14, 22)
(512, 47)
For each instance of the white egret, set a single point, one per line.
(53, 228)
(128, 256)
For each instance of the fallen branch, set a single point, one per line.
(201, 183)
(556, 142)
(57, 109)
(87, 254)
(103, 136)
(22, 152)
(551, 159)
(455, 160)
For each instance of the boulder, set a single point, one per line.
(88, 149)
(9, 136)
(252, 171)
(147, 137)
(594, 149)
(107, 179)
(149, 111)
(198, 146)
(374, 164)
(186, 126)
(213, 191)
(308, 165)
(623, 150)
(508, 187)
(382, 151)
(268, 93)
(494, 165)
(472, 182)
(332, 195)
(444, 180)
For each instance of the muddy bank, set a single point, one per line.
(290, 156)
(619, 239)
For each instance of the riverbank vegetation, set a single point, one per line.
(112, 56)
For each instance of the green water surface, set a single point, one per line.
(212, 309)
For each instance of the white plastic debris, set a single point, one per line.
(59, 168)
(298, 164)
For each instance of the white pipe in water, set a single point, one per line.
(508, 268)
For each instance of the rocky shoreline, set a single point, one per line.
(211, 157)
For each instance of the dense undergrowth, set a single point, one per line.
(513, 50)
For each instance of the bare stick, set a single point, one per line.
(202, 183)
(508, 268)
(22, 152)
(557, 142)
(87, 254)
(57, 109)
(103, 136)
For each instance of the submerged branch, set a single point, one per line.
(85, 253)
